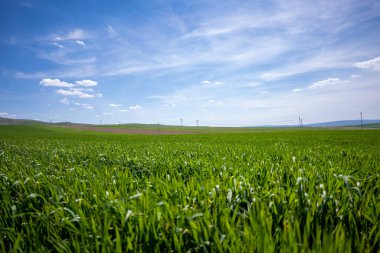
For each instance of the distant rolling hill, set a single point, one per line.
(7, 121)
(343, 123)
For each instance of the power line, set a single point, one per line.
(300, 122)
(361, 119)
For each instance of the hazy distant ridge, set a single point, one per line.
(344, 123)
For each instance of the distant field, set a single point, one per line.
(167, 129)
(375, 125)
(217, 189)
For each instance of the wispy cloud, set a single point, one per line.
(111, 31)
(59, 45)
(135, 107)
(370, 64)
(4, 114)
(74, 92)
(327, 82)
(80, 42)
(170, 105)
(317, 62)
(114, 105)
(212, 84)
(215, 102)
(297, 90)
(75, 34)
(65, 101)
(87, 106)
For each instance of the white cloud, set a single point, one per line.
(64, 101)
(107, 113)
(111, 31)
(87, 106)
(77, 92)
(212, 84)
(74, 92)
(76, 34)
(135, 107)
(297, 90)
(48, 82)
(170, 105)
(87, 83)
(4, 114)
(59, 45)
(370, 64)
(114, 105)
(123, 110)
(327, 82)
(80, 42)
(215, 102)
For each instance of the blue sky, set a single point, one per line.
(220, 62)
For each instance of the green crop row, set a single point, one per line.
(275, 191)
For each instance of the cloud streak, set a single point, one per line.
(75, 34)
(370, 64)
(327, 82)
(135, 107)
(74, 92)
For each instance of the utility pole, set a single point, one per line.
(181, 121)
(361, 119)
(158, 128)
(301, 123)
(197, 122)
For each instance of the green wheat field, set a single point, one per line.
(273, 190)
